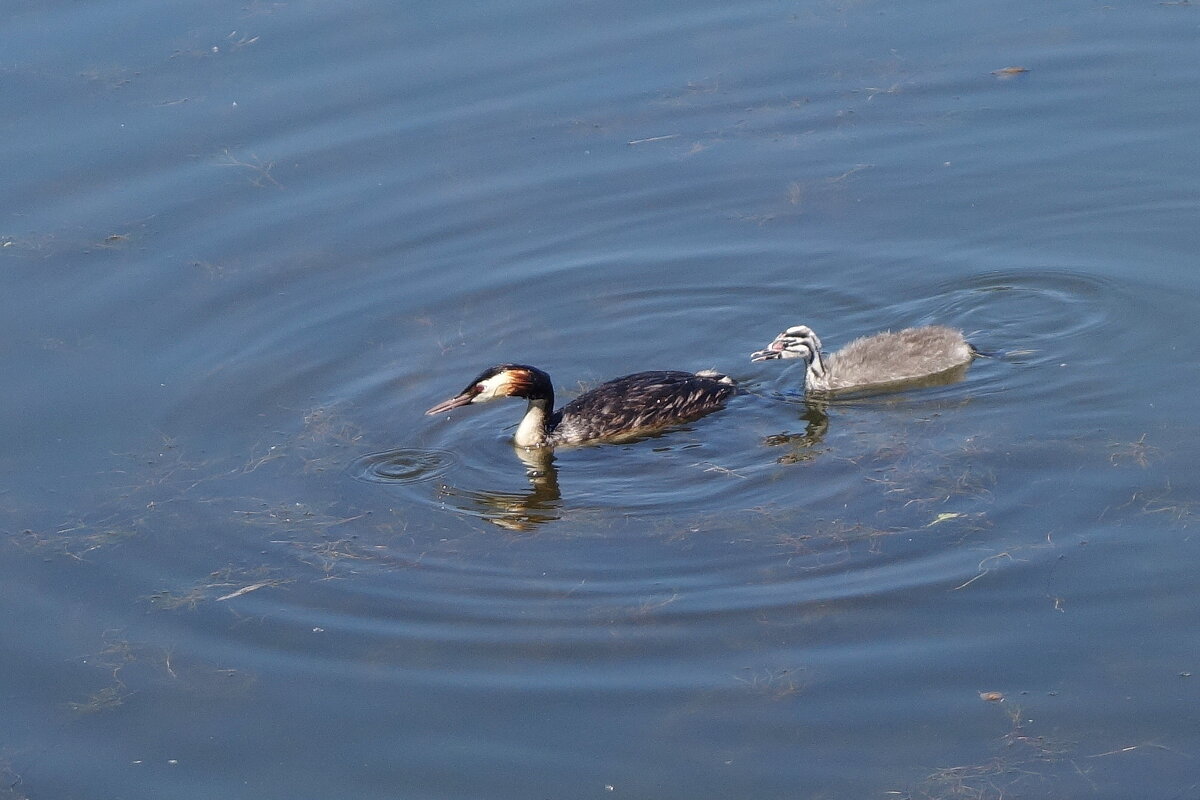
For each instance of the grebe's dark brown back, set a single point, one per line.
(623, 408)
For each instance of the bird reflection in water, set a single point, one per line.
(519, 510)
(803, 446)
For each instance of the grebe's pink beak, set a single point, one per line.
(453, 402)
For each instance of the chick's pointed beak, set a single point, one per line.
(453, 402)
(774, 350)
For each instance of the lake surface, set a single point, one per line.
(244, 246)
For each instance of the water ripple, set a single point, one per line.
(403, 465)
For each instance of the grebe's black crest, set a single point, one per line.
(619, 409)
(883, 361)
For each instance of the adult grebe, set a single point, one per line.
(873, 362)
(619, 409)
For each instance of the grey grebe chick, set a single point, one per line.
(873, 362)
(619, 409)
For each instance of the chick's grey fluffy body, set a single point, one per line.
(895, 357)
(881, 361)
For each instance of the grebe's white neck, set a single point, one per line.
(535, 429)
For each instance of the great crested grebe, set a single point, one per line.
(873, 362)
(622, 408)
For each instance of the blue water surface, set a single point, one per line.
(244, 246)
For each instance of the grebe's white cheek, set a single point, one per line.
(491, 388)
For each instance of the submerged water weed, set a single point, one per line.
(948, 483)
(78, 538)
(829, 542)
(1136, 453)
(892, 487)
(222, 585)
(986, 566)
(162, 477)
(334, 558)
(141, 488)
(1027, 763)
(260, 170)
(10, 781)
(316, 446)
(1164, 502)
(324, 435)
(164, 470)
(155, 664)
(324, 540)
(291, 516)
(105, 699)
(649, 607)
(925, 479)
(908, 476)
(776, 683)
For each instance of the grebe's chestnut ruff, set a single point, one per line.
(872, 362)
(623, 408)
